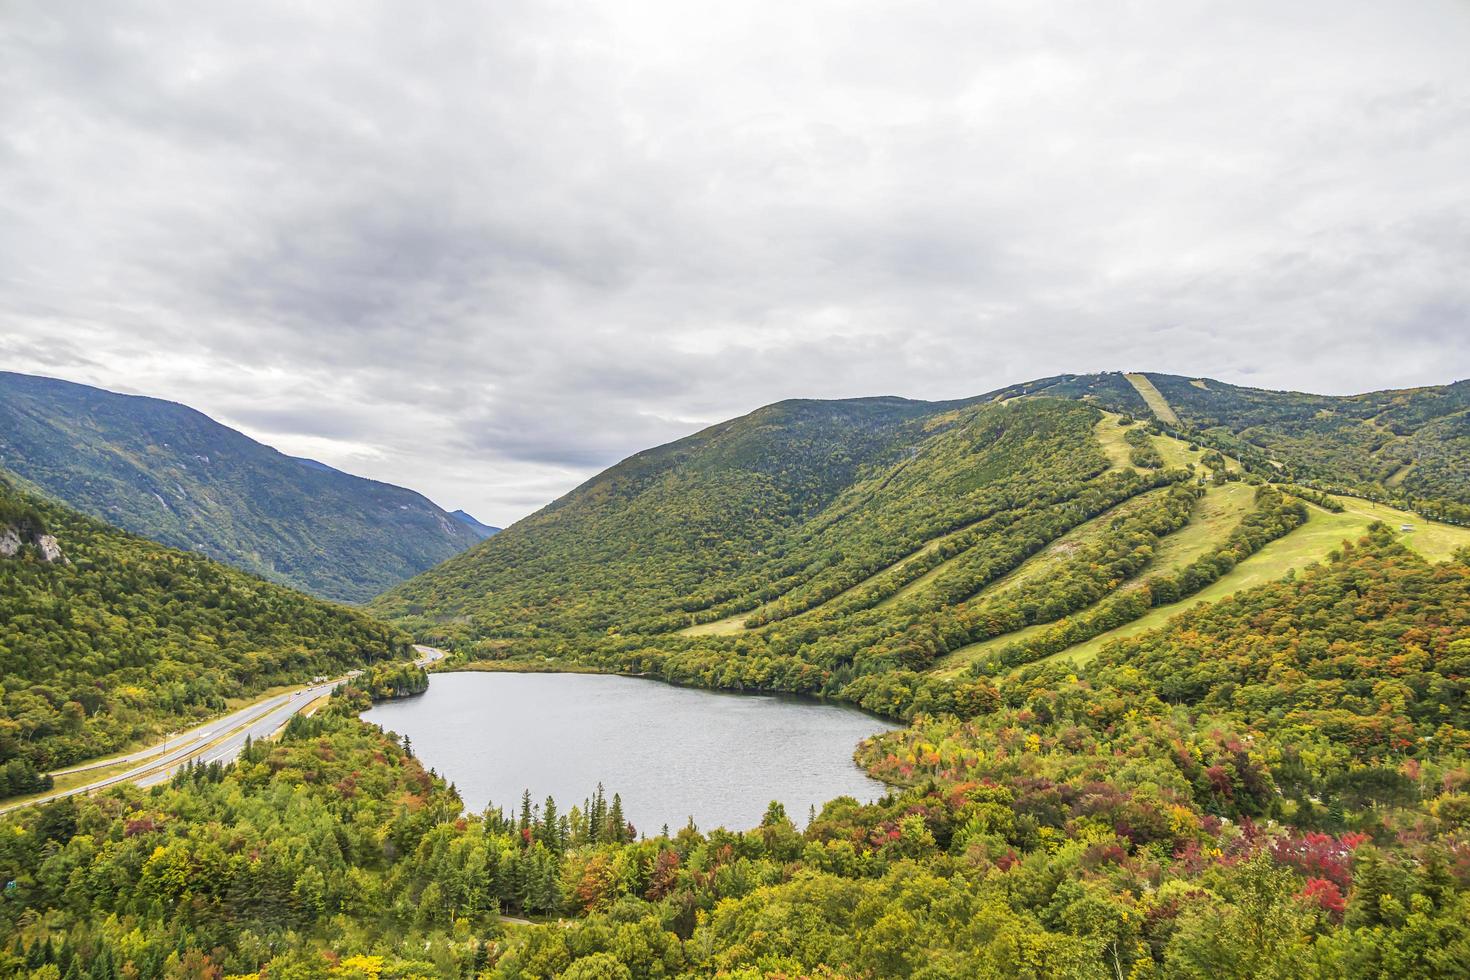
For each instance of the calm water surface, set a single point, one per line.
(672, 752)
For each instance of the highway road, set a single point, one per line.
(217, 741)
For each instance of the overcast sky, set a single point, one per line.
(486, 249)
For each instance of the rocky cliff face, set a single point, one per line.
(46, 545)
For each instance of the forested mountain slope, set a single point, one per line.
(903, 554)
(106, 637)
(168, 472)
(667, 528)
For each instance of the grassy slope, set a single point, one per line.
(1110, 436)
(1039, 565)
(1157, 403)
(1215, 516)
(1308, 544)
(736, 623)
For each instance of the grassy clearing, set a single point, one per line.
(1215, 516)
(1176, 453)
(719, 627)
(1037, 564)
(1155, 398)
(1309, 543)
(1435, 541)
(957, 660)
(898, 566)
(736, 623)
(1110, 434)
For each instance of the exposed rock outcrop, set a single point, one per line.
(46, 545)
(50, 549)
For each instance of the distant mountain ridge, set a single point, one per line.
(173, 474)
(483, 530)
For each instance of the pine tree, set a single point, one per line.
(1370, 883)
(550, 829)
(103, 967)
(525, 810)
(617, 826)
(596, 816)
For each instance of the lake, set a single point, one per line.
(672, 752)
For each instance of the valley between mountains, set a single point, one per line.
(1176, 673)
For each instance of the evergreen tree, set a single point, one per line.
(597, 816)
(1370, 884)
(525, 810)
(617, 826)
(549, 831)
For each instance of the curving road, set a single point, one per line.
(217, 741)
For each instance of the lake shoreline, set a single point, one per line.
(671, 750)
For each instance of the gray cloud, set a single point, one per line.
(485, 250)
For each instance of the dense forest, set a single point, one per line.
(120, 637)
(175, 475)
(1292, 805)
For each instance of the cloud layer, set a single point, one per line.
(484, 250)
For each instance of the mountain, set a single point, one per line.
(483, 530)
(843, 547)
(676, 519)
(106, 636)
(173, 474)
